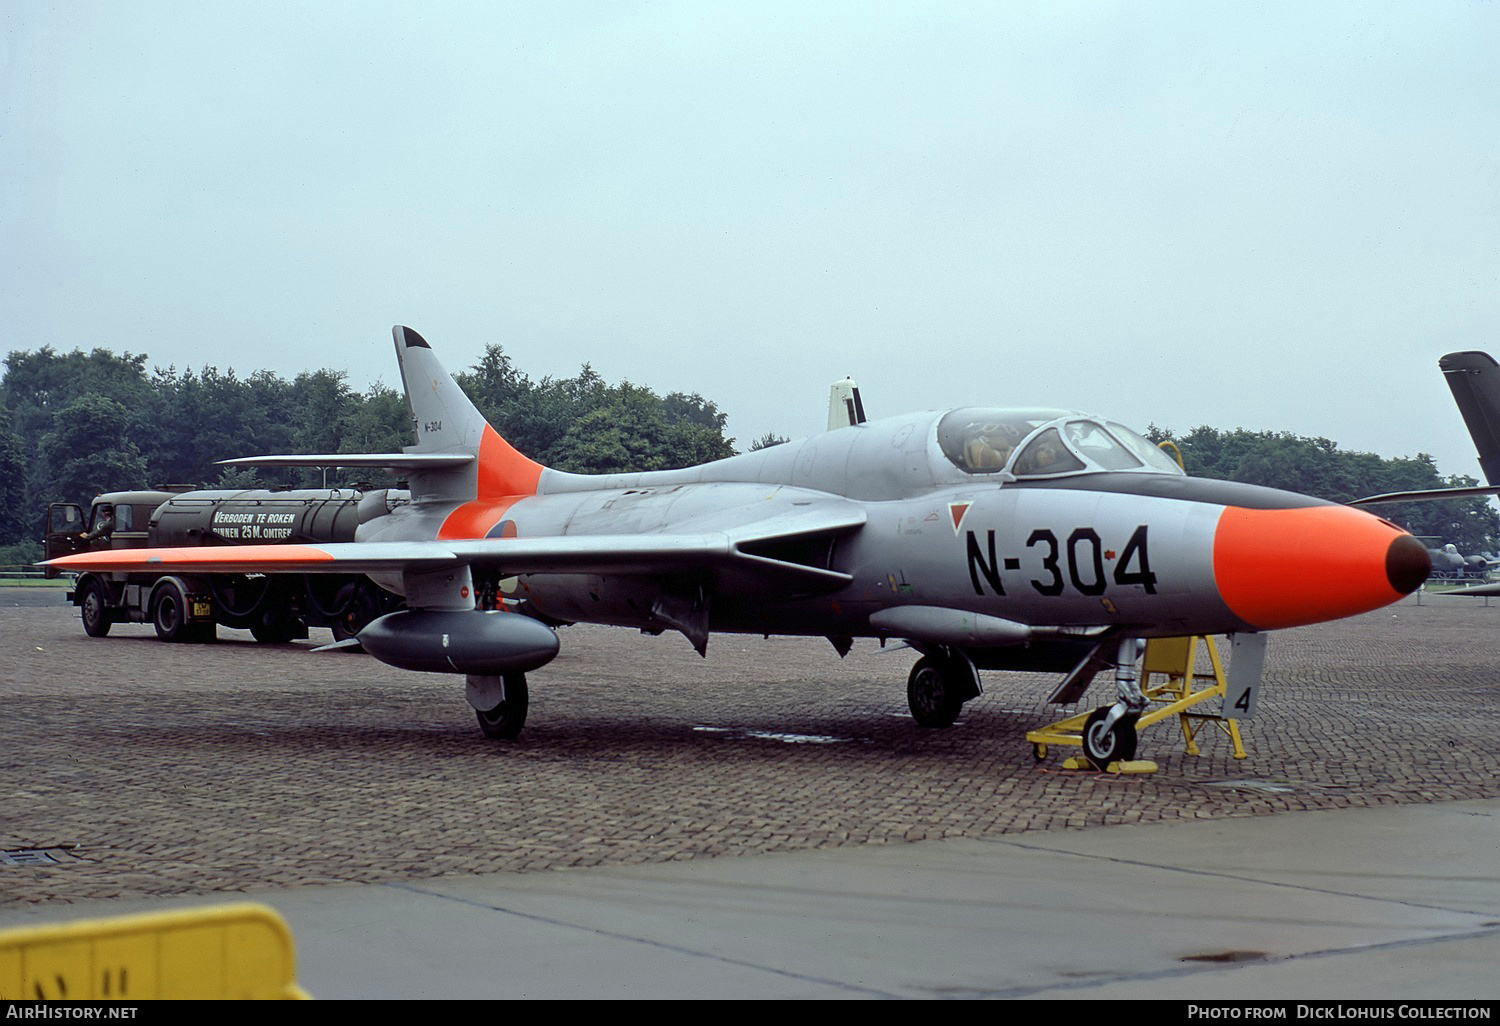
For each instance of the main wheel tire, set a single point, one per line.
(504, 722)
(930, 694)
(169, 614)
(94, 609)
(1102, 747)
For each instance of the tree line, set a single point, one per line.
(75, 424)
(1317, 466)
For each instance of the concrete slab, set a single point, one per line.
(1301, 906)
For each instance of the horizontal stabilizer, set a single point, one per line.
(376, 460)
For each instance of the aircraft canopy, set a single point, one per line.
(1045, 443)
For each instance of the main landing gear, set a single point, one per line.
(938, 687)
(500, 704)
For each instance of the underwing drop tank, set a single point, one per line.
(486, 643)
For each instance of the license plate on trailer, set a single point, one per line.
(202, 608)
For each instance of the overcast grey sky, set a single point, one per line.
(1270, 215)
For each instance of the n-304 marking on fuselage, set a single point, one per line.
(1083, 552)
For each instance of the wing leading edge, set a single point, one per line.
(566, 554)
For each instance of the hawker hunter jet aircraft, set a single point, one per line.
(987, 539)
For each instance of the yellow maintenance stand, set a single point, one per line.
(1179, 688)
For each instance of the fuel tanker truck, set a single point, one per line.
(189, 606)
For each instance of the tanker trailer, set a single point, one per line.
(187, 607)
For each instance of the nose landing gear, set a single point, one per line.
(1109, 738)
(1108, 735)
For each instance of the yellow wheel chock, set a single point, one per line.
(239, 951)
(1180, 688)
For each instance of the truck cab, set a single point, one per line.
(117, 520)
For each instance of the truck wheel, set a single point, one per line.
(95, 610)
(170, 614)
(358, 607)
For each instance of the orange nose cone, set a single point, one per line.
(1288, 567)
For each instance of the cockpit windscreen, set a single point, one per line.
(1045, 443)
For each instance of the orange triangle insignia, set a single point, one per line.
(958, 510)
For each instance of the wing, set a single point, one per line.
(754, 552)
(1426, 495)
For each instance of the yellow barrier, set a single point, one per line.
(238, 951)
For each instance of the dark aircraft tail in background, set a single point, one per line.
(1474, 378)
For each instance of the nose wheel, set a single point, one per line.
(1105, 742)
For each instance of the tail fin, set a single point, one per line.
(1474, 378)
(445, 421)
(844, 406)
(444, 418)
